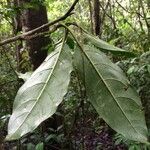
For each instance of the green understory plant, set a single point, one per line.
(104, 85)
(132, 145)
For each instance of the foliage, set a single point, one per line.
(29, 105)
(8, 88)
(132, 145)
(138, 72)
(8, 83)
(107, 47)
(123, 23)
(30, 109)
(103, 94)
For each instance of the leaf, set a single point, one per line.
(106, 47)
(24, 76)
(39, 146)
(30, 146)
(111, 94)
(132, 70)
(41, 94)
(134, 147)
(148, 68)
(70, 42)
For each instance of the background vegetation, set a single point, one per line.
(123, 23)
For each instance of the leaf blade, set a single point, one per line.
(111, 94)
(39, 97)
(106, 47)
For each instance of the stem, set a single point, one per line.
(81, 88)
(63, 25)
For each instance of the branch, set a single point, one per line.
(91, 15)
(128, 10)
(31, 32)
(109, 16)
(105, 9)
(54, 28)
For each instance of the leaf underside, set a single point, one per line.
(106, 47)
(111, 93)
(41, 94)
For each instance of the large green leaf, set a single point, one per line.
(41, 94)
(106, 47)
(111, 94)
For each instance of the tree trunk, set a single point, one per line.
(96, 17)
(31, 19)
(17, 27)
